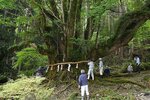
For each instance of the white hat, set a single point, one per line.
(100, 58)
(82, 71)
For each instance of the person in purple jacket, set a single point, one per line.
(83, 84)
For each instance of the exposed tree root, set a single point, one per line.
(59, 92)
(124, 81)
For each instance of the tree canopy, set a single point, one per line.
(69, 30)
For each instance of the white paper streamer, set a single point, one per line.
(77, 66)
(69, 67)
(47, 69)
(61, 67)
(51, 67)
(58, 68)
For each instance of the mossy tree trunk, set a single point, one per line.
(64, 18)
(128, 25)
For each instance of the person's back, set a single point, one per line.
(40, 71)
(83, 84)
(83, 79)
(91, 69)
(107, 71)
(43, 69)
(91, 64)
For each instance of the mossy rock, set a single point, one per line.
(3, 79)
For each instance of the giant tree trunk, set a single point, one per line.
(65, 22)
(128, 25)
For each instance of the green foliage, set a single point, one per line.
(7, 21)
(29, 58)
(21, 20)
(134, 4)
(145, 65)
(100, 7)
(83, 47)
(7, 4)
(6, 34)
(142, 37)
(51, 31)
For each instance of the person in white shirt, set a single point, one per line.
(130, 68)
(100, 67)
(137, 62)
(91, 68)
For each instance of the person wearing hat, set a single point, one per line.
(101, 67)
(83, 84)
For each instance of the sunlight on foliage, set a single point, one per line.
(24, 86)
(28, 59)
(142, 36)
(9, 4)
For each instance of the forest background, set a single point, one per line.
(39, 32)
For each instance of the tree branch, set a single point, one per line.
(128, 25)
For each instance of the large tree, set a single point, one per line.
(7, 35)
(68, 30)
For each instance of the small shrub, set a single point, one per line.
(29, 59)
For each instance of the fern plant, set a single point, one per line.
(28, 59)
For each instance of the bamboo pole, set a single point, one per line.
(52, 65)
(64, 63)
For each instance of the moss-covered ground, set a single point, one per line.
(120, 86)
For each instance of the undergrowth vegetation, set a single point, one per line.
(121, 86)
(24, 88)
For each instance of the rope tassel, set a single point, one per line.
(69, 67)
(51, 67)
